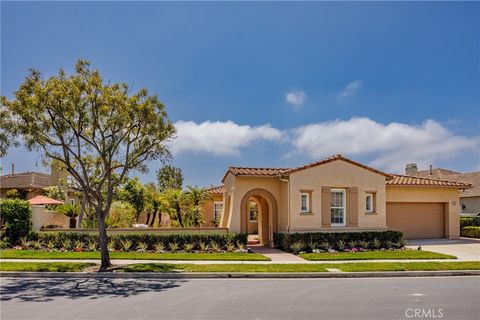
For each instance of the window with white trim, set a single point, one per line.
(304, 202)
(337, 207)
(217, 210)
(369, 202)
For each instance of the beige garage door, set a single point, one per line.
(417, 220)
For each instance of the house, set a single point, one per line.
(469, 198)
(335, 195)
(34, 183)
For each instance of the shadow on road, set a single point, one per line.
(42, 290)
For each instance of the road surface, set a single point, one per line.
(370, 298)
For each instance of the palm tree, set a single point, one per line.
(196, 195)
(155, 202)
(70, 211)
(175, 199)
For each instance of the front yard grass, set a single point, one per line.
(376, 255)
(38, 254)
(45, 266)
(345, 267)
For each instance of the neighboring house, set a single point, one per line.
(469, 198)
(337, 195)
(34, 183)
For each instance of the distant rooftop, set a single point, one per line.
(25, 180)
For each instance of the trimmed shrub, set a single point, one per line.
(383, 239)
(469, 221)
(151, 240)
(17, 216)
(470, 232)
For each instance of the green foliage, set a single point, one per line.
(98, 130)
(17, 217)
(284, 241)
(155, 241)
(121, 215)
(169, 177)
(70, 210)
(470, 232)
(297, 247)
(133, 192)
(469, 221)
(55, 192)
(16, 194)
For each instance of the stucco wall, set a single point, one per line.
(208, 209)
(337, 174)
(237, 187)
(41, 217)
(449, 196)
(472, 204)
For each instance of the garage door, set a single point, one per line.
(417, 220)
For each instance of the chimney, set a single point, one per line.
(411, 169)
(431, 172)
(13, 169)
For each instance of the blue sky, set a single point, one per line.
(273, 84)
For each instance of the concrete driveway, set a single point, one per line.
(464, 248)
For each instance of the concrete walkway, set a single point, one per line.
(277, 256)
(464, 248)
(301, 261)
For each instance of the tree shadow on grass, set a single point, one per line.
(47, 289)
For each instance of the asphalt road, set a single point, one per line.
(370, 298)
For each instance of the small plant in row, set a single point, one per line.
(343, 246)
(126, 245)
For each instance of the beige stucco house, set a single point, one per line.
(334, 195)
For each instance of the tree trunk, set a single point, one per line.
(73, 223)
(179, 216)
(148, 218)
(102, 232)
(153, 218)
(83, 203)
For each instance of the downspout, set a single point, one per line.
(288, 201)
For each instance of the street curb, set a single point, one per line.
(238, 275)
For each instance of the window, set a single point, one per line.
(217, 210)
(252, 211)
(369, 202)
(337, 207)
(305, 202)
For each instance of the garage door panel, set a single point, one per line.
(417, 220)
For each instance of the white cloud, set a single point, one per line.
(351, 89)
(296, 98)
(391, 145)
(219, 138)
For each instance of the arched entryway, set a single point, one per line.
(267, 214)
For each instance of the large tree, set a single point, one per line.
(169, 177)
(99, 130)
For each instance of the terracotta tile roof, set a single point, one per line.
(216, 189)
(472, 178)
(400, 180)
(435, 173)
(251, 171)
(338, 157)
(26, 180)
(272, 172)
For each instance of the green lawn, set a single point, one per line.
(345, 267)
(45, 266)
(376, 255)
(38, 254)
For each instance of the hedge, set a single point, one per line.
(285, 241)
(470, 232)
(17, 216)
(469, 221)
(147, 238)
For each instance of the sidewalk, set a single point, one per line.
(301, 261)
